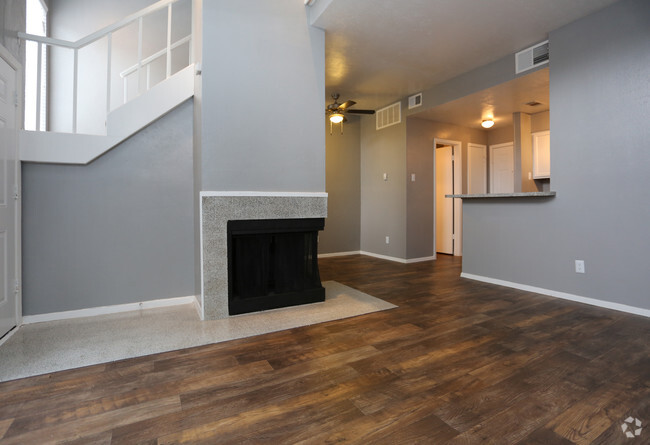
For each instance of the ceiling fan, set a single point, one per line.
(336, 111)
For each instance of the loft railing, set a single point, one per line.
(107, 33)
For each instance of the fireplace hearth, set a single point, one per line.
(219, 209)
(273, 263)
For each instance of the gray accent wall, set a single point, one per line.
(540, 121)
(419, 157)
(599, 84)
(263, 97)
(500, 135)
(343, 185)
(383, 203)
(119, 230)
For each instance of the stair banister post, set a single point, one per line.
(38, 86)
(109, 43)
(169, 41)
(74, 90)
(137, 91)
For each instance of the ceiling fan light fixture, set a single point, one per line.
(336, 118)
(487, 123)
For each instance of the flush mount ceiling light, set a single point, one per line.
(487, 123)
(336, 118)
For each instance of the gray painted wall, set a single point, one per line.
(419, 155)
(343, 185)
(539, 121)
(119, 230)
(197, 7)
(500, 135)
(599, 168)
(383, 203)
(523, 153)
(263, 97)
(481, 78)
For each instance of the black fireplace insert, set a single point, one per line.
(273, 263)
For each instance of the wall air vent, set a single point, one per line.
(415, 100)
(531, 57)
(389, 115)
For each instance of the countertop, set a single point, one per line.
(504, 195)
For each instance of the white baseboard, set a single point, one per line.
(376, 255)
(8, 335)
(330, 255)
(419, 260)
(105, 310)
(562, 295)
(384, 257)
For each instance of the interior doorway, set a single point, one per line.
(447, 218)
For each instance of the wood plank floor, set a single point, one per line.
(459, 362)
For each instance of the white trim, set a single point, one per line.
(562, 295)
(105, 310)
(202, 296)
(8, 335)
(254, 193)
(420, 260)
(334, 254)
(458, 203)
(384, 257)
(376, 255)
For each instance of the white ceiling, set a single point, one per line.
(379, 51)
(497, 103)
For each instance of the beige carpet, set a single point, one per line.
(42, 348)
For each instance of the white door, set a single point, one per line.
(476, 168)
(444, 206)
(502, 168)
(8, 205)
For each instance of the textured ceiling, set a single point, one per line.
(378, 51)
(497, 103)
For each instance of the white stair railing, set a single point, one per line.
(107, 33)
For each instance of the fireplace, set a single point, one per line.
(285, 215)
(273, 263)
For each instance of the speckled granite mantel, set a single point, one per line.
(217, 208)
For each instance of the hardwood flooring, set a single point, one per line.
(458, 362)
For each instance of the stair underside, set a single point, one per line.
(121, 123)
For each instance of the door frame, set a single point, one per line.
(491, 163)
(458, 188)
(15, 64)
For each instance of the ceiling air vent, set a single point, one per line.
(531, 57)
(415, 100)
(389, 115)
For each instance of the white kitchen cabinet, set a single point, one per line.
(542, 154)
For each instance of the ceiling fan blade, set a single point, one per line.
(360, 111)
(347, 103)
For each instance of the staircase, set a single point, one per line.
(148, 104)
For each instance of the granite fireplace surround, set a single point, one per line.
(217, 208)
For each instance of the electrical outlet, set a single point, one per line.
(412, 177)
(388, 240)
(580, 266)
